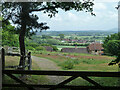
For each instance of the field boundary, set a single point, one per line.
(73, 74)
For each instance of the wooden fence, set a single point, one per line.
(74, 74)
(28, 61)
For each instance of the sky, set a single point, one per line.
(106, 18)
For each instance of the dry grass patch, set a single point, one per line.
(30, 79)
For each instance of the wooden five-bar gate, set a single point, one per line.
(74, 74)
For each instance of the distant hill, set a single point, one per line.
(80, 33)
(113, 30)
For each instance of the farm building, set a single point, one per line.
(95, 48)
(74, 50)
(48, 48)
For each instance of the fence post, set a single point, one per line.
(118, 77)
(3, 60)
(29, 61)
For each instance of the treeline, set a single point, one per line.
(79, 33)
(12, 40)
(49, 40)
(74, 44)
(44, 39)
(35, 46)
(9, 39)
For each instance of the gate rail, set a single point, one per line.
(74, 74)
(28, 61)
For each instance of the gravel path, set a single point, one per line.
(46, 64)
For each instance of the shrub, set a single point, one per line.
(30, 48)
(87, 61)
(54, 48)
(76, 61)
(31, 44)
(53, 41)
(68, 64)
(40, 48)
(45, 44)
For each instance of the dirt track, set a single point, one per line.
(46, 64)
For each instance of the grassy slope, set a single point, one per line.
(86, 62)
(34, 79)
(60, 47)
(80, 37)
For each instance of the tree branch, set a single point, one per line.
(52, 7)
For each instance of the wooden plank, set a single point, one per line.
(64, 86)
(64, 73)
(15, 66)
(91, 81)
(13, 54)
(3, 59)
(12, 66)
(64, 82)
(29, 61)
(68, 80)
(19, 81)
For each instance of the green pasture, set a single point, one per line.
(30, 79)
(79, 37)
(81, 62)
(60, 47)
(84, 62)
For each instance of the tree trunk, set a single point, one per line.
(22, 46)
(24, 15)
(118, 71)
(22, 51)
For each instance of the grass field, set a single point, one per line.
(31, 79)
(84, 62)
(97, 38)
(77, 36)
(69, 62)
(60, 47)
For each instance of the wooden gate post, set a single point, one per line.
(29, 61)
(119, 77)
(3, 60)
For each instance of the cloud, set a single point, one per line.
(113, 15)
(107, 1)
(72, 16)
(57, 18)
(106, 18)
(100, 6)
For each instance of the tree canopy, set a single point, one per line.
(112, 47)
(19, 12)
(9, 38)
(61, 36)
(26, 23)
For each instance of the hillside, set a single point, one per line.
(79, 33)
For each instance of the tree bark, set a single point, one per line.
(22, 50)
(118, 70)
(24, 15)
